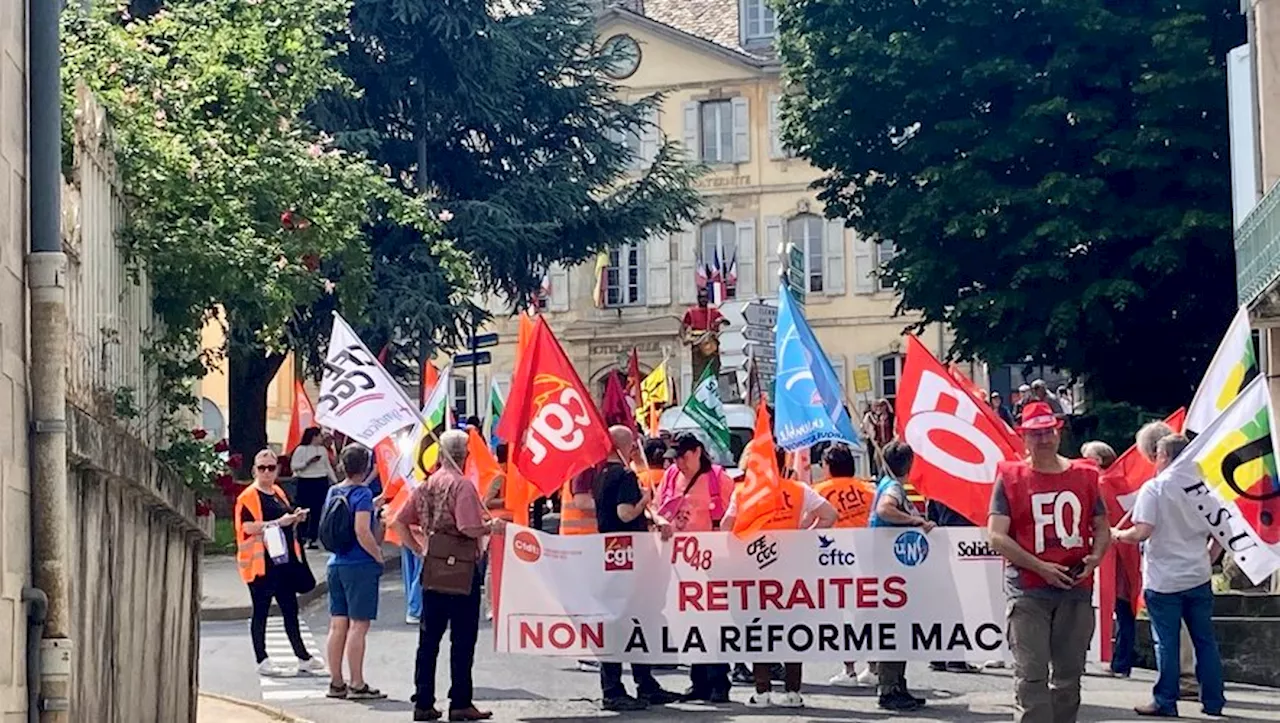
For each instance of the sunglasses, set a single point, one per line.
(266, 468)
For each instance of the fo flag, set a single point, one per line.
(556, 430)
(357, 395)
(1234, 365)
(957, 441)
(1228, 475)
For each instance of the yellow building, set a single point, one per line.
(714, 62)
(212, 390)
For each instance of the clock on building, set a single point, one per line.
(625, 52)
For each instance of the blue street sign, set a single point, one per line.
(476, 359)
(486, 340)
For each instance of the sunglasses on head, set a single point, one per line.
(266, 468)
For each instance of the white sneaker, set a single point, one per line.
(994, 665)
(789, 699)
(868, 679)
(588, 666)
(272, 669)
(844, 680)
(314, 665)
(760, 700)
(412, 620)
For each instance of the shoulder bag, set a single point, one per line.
(449, 566)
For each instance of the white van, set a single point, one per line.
(742, 423)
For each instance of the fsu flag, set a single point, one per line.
(555, 429)
(957, 441)
(302, 418)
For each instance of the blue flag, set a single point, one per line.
(808, 401)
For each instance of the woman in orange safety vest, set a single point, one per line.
(263, 511)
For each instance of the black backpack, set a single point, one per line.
(338, 524)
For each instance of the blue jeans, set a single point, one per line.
(1167, 611)
(411, 573)
(1124, 639)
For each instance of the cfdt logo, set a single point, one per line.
(830, 555)
(911, 548)
(527, 547)
(619, 553)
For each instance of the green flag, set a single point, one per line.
(496, 405)
(706, 408)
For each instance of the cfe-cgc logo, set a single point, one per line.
(619, 553)
(527, 547)
(911, 548)
(977, 550)
(829, 555)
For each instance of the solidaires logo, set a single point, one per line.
(911, 548)
(977, 550)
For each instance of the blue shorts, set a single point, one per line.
(353, 591)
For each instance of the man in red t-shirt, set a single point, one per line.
(700, 329)
(1049, 521)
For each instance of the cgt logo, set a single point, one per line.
(911, 548)
(829, 555)
(981, 550)
(527, 547)
(619, 553)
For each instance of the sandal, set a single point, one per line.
(365, 693)
(338, 692)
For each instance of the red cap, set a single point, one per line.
(1038, 415)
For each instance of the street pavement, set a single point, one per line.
(525, 688)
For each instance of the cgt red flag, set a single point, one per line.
(302, 418)
(957, 440)
(555, 429)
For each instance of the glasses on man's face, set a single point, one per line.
(266, 468)
(1040, 435)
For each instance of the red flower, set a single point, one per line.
(311, 262)
(235, 460)
(203, 508)
(199, 434)
(221, 446)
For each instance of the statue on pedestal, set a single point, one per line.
(700, 329)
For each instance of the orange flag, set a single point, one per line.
(430, 378)
(302, 418)
(518, 493)
(761, 492)
(386, 456)
(482, 467)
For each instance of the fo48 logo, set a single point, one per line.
(689, 550)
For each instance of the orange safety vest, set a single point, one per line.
(851, 497)
(251, 551)
(786, 517)
(574, 521)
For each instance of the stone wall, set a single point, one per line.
(1248, 630)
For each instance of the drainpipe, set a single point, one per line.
(46, 279)
(35, 599)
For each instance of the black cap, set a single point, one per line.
(686, 442)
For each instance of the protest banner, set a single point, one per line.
(812, 595)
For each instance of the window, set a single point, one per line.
(759, 22)
(716, 126)
(885, 251)
(624, 276)
(460, 401)
(890, 373)
(805, 231)
(718, 249)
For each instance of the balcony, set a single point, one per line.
(1257, 244)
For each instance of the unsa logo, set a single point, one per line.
(527, 547)
(911, 548)
(619, 553)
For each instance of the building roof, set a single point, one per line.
(711, 21)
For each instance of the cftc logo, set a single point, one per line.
(911, 548)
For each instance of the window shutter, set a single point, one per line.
(746, 258)
(650, 138)
(686, 379)
(833, 258)
(691, 131)
(659, 272)
(558, 276)
(741, 130)
(837, 365)
(772, 261)
(504, 386)
(864, 266)
(686, 284)
(642, 271)
(775, 127)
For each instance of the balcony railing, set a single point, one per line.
(1257, 244)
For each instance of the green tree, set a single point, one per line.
(239, 209)
(1054, 174)
(503, 115)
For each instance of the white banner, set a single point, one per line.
(794, 596)
(357, 396)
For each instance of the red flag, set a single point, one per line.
(430, 378)
(518, 493)
(555, 429)
(615, 407)
(957, 440)
(633, 384)
(302, 418)
(966, 383)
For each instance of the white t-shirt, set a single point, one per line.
(1176, 556)
(811, 503)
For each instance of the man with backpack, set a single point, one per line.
(346, 530)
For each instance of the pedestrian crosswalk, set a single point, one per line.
(301, 686)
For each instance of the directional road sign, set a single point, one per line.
(486, 340)
(757, 333)
(478, 359)
(758, 313)
(761, 350)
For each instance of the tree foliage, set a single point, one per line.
(502, 114)
(236, 202)
(1054, 174)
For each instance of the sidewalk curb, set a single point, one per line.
(244, 612)
(262, 708)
